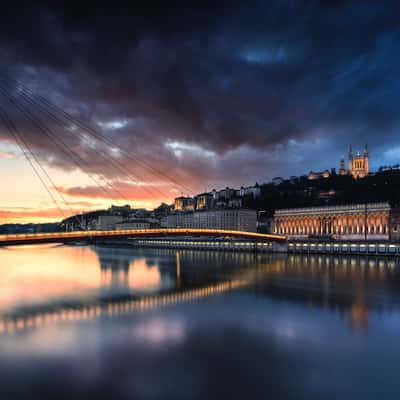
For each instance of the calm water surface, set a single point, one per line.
(117, 323)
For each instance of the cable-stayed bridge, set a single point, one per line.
(25, 114)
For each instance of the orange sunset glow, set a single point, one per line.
(23, 198)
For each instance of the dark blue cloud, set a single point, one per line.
(293, 81)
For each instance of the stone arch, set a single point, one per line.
(384, 223)
(371, 223)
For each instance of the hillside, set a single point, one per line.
(335, 190)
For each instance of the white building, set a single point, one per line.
(120, 209)
(230, 219)
(106, 222)
(254, 191)
(224, 194)
(133, 224)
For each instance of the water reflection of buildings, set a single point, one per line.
(180, 268)
(351, 285)
(114, 270)
(122, 269)
(193, 270)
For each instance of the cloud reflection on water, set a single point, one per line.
(289, 335)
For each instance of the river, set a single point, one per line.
(80, 322)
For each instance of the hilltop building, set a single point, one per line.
(317, 175)
(183, 204)
(358, 166)
(217, 199)
(204, 201)
(253, 191)
(358, 163)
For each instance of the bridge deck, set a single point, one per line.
(63, 237)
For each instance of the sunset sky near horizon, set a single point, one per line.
(211, 95)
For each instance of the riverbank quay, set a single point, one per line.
(344, 247)
(292, 246)
(200, 243)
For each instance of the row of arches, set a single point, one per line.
(348, 224)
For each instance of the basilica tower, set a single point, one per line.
(358, 163)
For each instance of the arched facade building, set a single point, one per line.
(342, 222)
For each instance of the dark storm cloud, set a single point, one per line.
(283, 80)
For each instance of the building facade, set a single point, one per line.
(183, 204)
(224, 194)
(230, 219)
(204, 201)
(318, 175)
(394, 224)
(356, 222)
(254, 191)
(106, 222)
(133, 224)
(120, 210)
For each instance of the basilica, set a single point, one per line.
(358, 166)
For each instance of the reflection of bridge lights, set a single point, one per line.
(10, 324)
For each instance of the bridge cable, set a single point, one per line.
(108, 159)
(101, 137)
(53, 138)
(48, 133)
(25, 150)
(20, 139)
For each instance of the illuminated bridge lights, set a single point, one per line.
(77, 235)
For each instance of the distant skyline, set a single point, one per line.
(213, 95)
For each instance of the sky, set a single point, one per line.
(190, 96)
